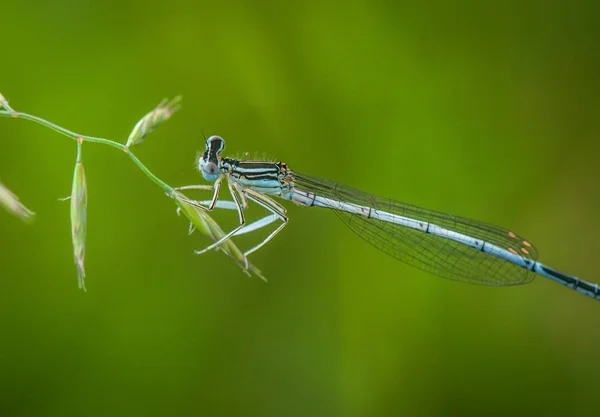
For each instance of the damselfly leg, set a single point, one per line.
(216, 187)
(238, 203)
(278, 212)
(248, 228)
(274, 208)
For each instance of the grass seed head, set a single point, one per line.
(13, 205)
(201, 221)
(79, 218)
(152, 120)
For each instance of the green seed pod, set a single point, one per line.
(79, 217)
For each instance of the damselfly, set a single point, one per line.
(449, 246)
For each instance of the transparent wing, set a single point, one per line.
(440, 256)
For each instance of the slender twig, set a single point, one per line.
(9, 112)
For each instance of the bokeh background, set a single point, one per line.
(485, 110)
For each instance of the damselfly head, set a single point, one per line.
(209, 162)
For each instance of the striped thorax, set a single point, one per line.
(265, 177)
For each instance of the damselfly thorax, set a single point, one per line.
(273, 178)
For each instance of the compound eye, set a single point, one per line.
(216, 144)
(210, 168)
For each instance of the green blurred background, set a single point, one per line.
(485, 110)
